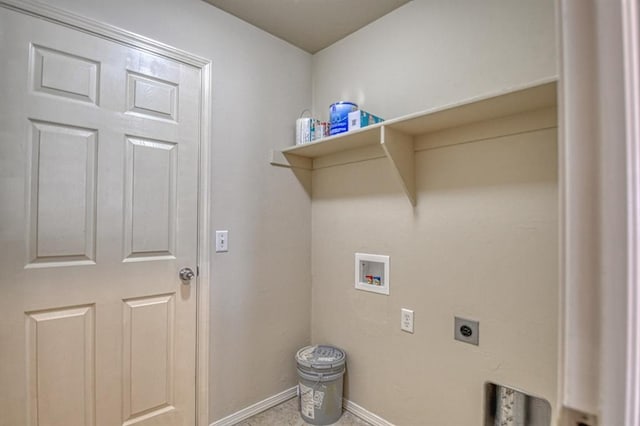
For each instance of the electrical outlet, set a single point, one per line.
(222, 241)
(406, 320)
(467, 331)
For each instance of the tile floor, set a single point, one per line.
(287, 414)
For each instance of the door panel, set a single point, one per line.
(99, 146)
(148, 330)
(152, 97)
(62, 205)
(60, 355)
(150, 198)
(63, 74)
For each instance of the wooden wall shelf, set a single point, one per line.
(396, 136)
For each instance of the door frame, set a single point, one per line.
(130, 39)
(630, 34)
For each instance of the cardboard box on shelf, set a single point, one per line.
(360, 118)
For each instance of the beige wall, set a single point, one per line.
(260, 289)
(430, 53)
(483, 240)
(481, 244)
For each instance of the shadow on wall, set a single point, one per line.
(500, 162)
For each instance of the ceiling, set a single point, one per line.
(311, 25)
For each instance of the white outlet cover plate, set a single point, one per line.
(406, 320)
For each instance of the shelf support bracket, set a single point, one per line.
(398, 147)
(300, 166)
(278, 158)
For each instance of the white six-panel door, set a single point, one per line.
(98, 213)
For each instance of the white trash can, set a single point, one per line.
(320, 378)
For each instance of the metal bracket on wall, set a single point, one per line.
(573, 417)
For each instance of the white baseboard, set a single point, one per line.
(364, 414)
(256, 408)
(286, 395)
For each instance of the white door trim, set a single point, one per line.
(631, 32)
(127, 38)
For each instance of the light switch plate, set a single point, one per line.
(222, 241)
(467, 331)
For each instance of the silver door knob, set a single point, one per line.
(186, 274)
